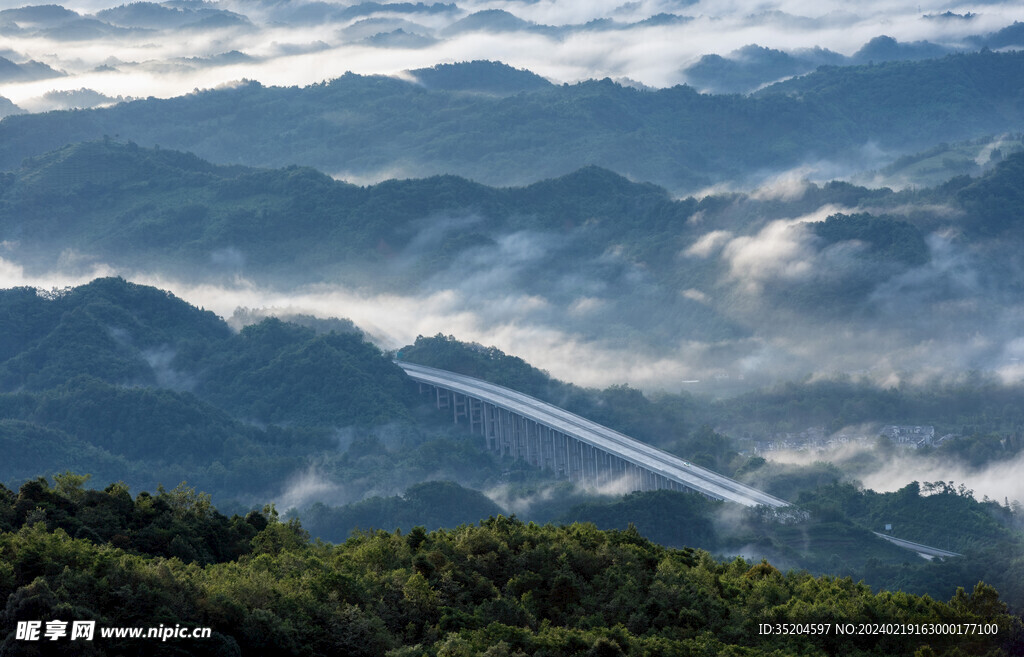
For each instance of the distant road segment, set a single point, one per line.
(926, 551)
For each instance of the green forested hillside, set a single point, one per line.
(135, 317)
(284, 373)
(127, 382)
(122, 333)
(994, 202)
(906, 101)
(674, 137)
(135, 205)
(503, 587)
(940, 514)
(115, 377)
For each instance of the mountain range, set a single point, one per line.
(633, 266)
(673, 137)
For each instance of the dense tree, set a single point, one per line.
(502, 587)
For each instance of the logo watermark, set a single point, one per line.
(54, 630)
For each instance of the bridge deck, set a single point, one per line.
(600, 437)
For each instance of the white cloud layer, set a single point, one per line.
(393, 320)
(285, 50)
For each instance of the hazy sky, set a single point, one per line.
(285, 47)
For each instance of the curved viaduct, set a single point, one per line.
(547, 436)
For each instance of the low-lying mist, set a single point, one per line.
(768, 316)
(547, 501)
(892, 469)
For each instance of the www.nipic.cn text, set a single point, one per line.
(56, 630)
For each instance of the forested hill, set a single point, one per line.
(635, 266)
(649, 269)
(155, 208)
(132, 205)
(129, 383)
(498, 588)
(382, 127)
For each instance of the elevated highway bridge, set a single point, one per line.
(573, 447)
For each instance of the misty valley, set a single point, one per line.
(511, 328)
